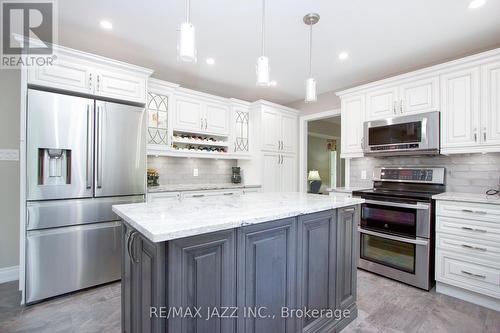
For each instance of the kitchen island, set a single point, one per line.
(261, 262)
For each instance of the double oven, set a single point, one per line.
(396, 229)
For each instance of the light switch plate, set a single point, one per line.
(195, 172)
(363, 174)
(9, 155)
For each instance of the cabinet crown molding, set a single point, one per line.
(472, 60)
(93, 58)
(263, 103)
(162, 86)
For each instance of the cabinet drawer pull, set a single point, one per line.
(198, 195)
(472, 229)
(474, 275)
(474, 247)
(229, 193)
(474, 211)
(349, 210)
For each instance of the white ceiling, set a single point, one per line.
(383, 38)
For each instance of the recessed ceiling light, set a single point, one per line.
(273, 83)
(476, 4)
(343, 56)
(210, 61)
(106, 24)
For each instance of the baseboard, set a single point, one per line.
(469, 296)
(8, 274)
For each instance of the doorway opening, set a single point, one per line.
(325, 169)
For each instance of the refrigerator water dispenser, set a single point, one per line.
(54, 166)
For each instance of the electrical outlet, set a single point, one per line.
(195, 172)
(9, 155)
(363, 174)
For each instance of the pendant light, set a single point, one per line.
(187, 39)
(262, 67)
(310, 19)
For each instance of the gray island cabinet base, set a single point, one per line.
(274, 267)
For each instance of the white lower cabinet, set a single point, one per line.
(271, 172)
(175, 196)
(468, 251)
(163, 196)
(211, 193)
(279, 172)
(288, 172)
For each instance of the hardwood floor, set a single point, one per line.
(384, 306)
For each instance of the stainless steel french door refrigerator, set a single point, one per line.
(83, 156)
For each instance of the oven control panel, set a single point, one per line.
(420, 175)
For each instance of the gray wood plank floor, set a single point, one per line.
(384, 306)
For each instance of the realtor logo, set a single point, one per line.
(28, 32)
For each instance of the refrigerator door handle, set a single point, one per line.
(99, 147)
(89, 147)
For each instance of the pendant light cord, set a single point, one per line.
(310, 49)
(188, 9)
(263, 25)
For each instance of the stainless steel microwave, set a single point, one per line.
(416, 134)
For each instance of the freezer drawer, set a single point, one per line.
(62, 260)
(63, 213)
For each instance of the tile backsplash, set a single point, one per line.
(179, 170)
(473, 173)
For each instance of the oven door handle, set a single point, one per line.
(392, 237)
(422, 206)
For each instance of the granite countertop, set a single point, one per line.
(197, 187)
(468, 197)
(345, 189)
(162, 221)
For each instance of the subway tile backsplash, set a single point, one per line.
(473, 173)
(179, 170)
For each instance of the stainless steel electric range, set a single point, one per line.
(396, 230)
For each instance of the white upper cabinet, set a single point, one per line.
(271, 129)
(352, 111)
(490, 122)
(411, 96)
(201, 115)
(240, 117)
(80, 72)
(465, 91)
(419, 96)
(279, 130)
(188, 114)
(217, 118)
(65, 75)
(120, 86)
(382, 103)
(460, 109)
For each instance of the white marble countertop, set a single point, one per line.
(197, 187)
(468, 197)
(345, 189)
(164, 220)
